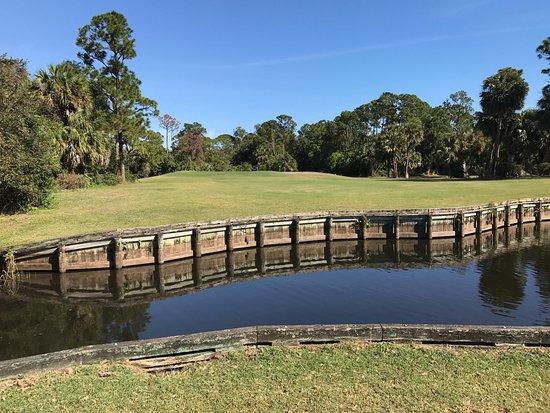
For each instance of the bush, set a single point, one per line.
(509, 170)
(107, 178)
(72, 181)
(27, 149)
(542, 169)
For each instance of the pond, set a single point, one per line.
(496, 278)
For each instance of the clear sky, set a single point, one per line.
(226, 63)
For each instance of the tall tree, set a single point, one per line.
(170, 125)
(27, 160)
(189, 145)
(502, 95)
(462, 122)
(67, 94)
(543, 52)
(107, 43)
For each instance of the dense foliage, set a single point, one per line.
(89, 118)
(27, 161)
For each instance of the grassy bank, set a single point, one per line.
(377, 377)
(189, 196)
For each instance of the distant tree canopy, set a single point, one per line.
(88, 119)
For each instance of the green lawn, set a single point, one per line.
(189, 196)
(344, 377)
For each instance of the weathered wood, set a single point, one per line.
(159, 248)
(328, 229)
(494, 219)
(230, 264)
(260, 234)
(61, 259)
(229, 237)
(29, 257)
(196, 242)
(429, 226)
(538, 212)
(396, 225)
(295, 231)
(118, 246)
(478, 223)
(295, 257)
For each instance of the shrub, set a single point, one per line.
(107, 178)
(73, 181)
(27, 149)
(509, 170)
(542, 169)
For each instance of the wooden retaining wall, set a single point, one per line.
(120, 286)
(186, 348)
(143, 246)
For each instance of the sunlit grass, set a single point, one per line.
(376, 377)
(193, 196)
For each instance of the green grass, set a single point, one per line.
(376, 377)
(190, 196)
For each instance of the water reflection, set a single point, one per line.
(496, 278)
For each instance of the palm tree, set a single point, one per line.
(67, 93)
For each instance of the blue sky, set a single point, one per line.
(229, 63)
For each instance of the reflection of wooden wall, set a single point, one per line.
(150, 246)
(212, 269)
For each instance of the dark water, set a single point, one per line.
(500, 278)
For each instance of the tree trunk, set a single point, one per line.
(407, 167)
(464, 169)
(121, 170)
(394, 166)
(495, 153)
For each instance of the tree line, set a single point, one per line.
(85, 121)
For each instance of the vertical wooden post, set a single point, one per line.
(461, 247)
(229, 237)
(364, 222)
(119, 292)
(260, 234)
(230, 264)
(478, 222)
(538, 212)
(159, 279)
(429, 226)
(61, 259)
(60, 282)
(396, 225)
(328, 229)
(461, 223)
(197, 271)
(397, 252)
(260, 260)
(429, 250)
(507, 216)
(159, 248)
(520, 213)
(328, 253)
(295, 257)
(295, 231)
(118, 261)
(196, 242)
(495, 219)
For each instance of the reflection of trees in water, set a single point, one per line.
(502, 281)
(37, 326)
(503, 277)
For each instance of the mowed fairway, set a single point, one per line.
(194, 196)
